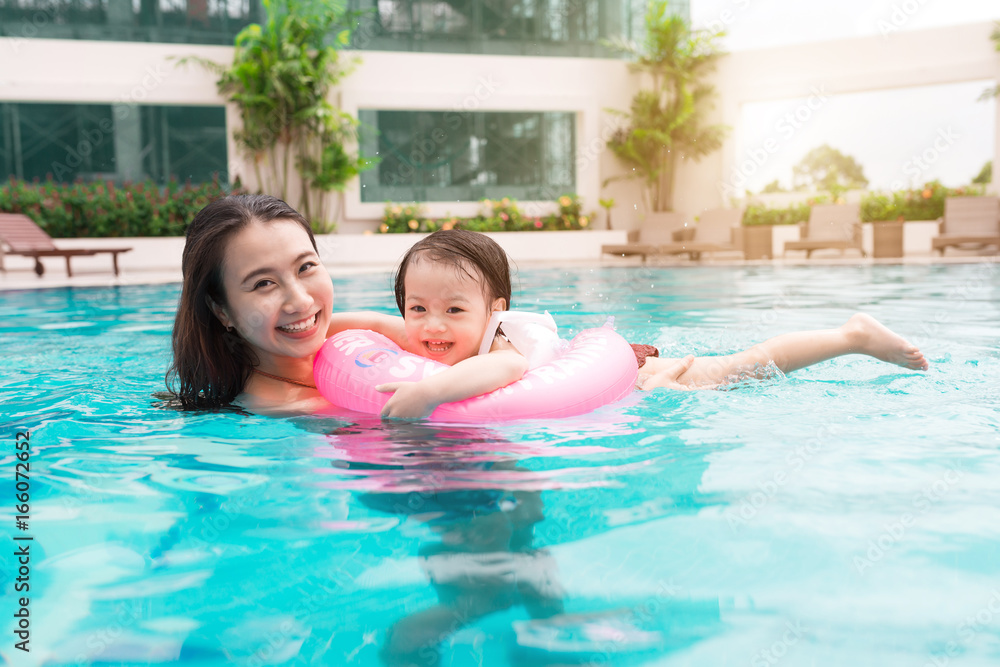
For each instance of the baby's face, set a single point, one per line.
(445, 311)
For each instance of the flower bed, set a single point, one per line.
(498, 215)
(103, 209)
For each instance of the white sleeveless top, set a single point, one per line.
(532, 334)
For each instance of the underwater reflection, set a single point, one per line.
(486, 551)
(483, 558)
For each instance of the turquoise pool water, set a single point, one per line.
(848, 514)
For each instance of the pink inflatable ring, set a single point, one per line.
(596, 369)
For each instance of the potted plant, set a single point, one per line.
(280, 79)
(607, 205)
(666, 121)
(759, 222)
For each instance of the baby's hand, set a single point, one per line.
(408, 401)
(667, 378)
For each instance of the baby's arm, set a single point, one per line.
(390, 326)
(470, 377)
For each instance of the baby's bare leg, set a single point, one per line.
(862, 334)
(704, 373)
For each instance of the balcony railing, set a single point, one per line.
(502, 27)
(177, 21)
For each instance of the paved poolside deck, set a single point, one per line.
(20, 275)
(158, 260)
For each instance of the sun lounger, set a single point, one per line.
(969, 221)
(656, 230)
(22, 236)
(716, 231)
(836, 226)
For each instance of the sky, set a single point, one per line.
(884, 131)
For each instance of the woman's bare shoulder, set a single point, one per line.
(271, 407)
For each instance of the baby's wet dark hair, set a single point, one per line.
(464, 250)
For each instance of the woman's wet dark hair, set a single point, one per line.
(211, 365)
(462, 249)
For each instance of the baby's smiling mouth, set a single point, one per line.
(302, 325)
(437, 346)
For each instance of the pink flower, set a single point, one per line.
(504, 217)
(538, 223)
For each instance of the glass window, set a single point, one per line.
(467, 156)
(113, 142)
(185, 143)
(183, 21)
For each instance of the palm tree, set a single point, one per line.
(282, 72)
(666, 123)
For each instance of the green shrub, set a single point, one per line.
(758, 214)
(926, 203)
(103, 209)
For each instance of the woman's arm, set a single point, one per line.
(470, 377)
(390, 326)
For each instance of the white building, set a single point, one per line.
(472, 98)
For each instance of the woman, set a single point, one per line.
(255, 307)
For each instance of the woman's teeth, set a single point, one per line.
(300, 326)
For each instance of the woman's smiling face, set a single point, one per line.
(280, 297)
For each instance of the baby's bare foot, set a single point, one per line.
(875, 339)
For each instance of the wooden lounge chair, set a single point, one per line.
(836, 226)
(969, 221)
(717, 230)
(658, 230)
(23, 237)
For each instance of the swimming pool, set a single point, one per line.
(847, 514)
